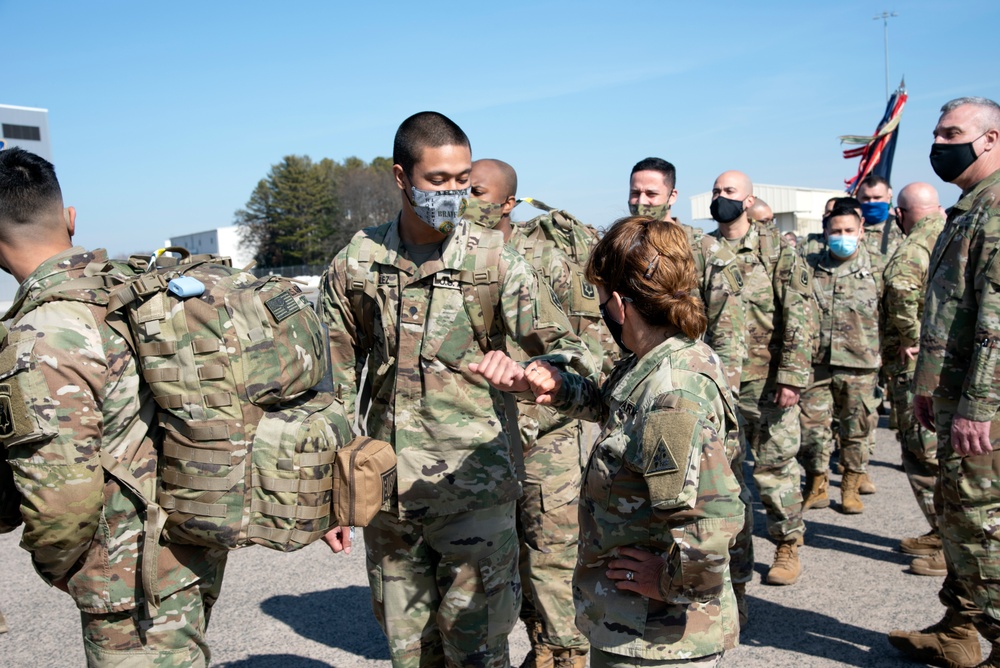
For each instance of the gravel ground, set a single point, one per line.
(311, 608)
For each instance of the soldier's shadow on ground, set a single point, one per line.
(340, 618)
(810, 633)
(274, 661)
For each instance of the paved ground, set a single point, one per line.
(311, 609)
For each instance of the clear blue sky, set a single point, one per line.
(163, 116)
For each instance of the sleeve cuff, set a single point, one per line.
(797, 379)
(976, 410)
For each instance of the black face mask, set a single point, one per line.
(725, 210)
(614, 326)
(949, 161)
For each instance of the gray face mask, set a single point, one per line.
(441, 209)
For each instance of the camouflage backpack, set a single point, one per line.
(238, 366)
(567, 232)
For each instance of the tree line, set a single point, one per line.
(303, 212)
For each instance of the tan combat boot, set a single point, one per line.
(740, 590)
(786, 567)
(866, 486)
(993, 661)
(817, 486)
(951, 642)
(850, 501)
(540, 655)
(570, 658)
(933, 565)
(922, 546)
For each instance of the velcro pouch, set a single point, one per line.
(364, 480)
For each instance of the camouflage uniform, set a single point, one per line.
(442, 563)
(957, 366)
(814, 243)
(83, 528)
(845, 366)
(777, 303)
(883, 238)
(902, 307)
(548, 514)
(659, 479)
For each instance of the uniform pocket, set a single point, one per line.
(502, 586)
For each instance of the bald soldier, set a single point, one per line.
(920, 217)
(760, 212)
(775, 294)
(651, 193)
(547, 514)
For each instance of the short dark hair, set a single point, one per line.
(851, 202)
(873, 180)
(839, 210)
(657, 165)
(426, 129)
(28, 184)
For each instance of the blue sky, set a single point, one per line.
(163, 116)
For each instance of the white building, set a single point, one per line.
(222, 241)
(27, 128)
(798, 210)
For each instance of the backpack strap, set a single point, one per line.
(770, 248)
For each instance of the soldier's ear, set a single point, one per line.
(672, 198)
(508, 205)
(69, 215)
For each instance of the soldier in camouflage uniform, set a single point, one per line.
(652, 193)
(882, 234)
(660, 505)
(847, 286)
(83, 527)
(774, 290)
(920, 216)
(815, 242)
(957, 383)
(760, 212)
(548, 525)
(419, 299)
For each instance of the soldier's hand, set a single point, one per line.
(787, 396)
(501, 372)
(908, 354)
(970, 438)
(923, 410)
(339, 539)
(637, 570)
(545, 381)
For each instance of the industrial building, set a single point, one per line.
(27, 128)
(221, 241)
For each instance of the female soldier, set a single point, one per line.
(659, 505)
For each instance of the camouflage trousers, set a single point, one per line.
(548, 528)
(969, 521)
(848, 395)
(773, 437)
(919, 447)
(175, 637)
(741, 551)
(445, 590)
(602, 659)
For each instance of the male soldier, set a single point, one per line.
(882, 235)
(775, 295)
(652, 193)
(791, 238)
(548, 526)
(760, 212)
(957, 387)
(74, 405)
(419, 299)
(815, 242)
(847, 285)
(919, 215)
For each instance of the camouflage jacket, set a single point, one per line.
(883, 238)
(776, 298)
(659, 479)
(903, 300)
(847, 298)
(960, 332)
(814, 243)
(72, 386)
(445, 422)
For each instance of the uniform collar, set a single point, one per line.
(648, 364)
(453, 250)
(970, 196)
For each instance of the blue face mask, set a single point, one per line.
(843, 246)
(874, 212)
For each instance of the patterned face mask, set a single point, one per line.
(481, 212)
(441, 209)
(655, 211)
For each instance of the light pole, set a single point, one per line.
(885, 16)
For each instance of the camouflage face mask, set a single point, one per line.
(481, 212)
(655, 211)
(441, 209)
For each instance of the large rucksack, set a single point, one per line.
(561, 227)
(238, 366)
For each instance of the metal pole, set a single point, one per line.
(885, 16)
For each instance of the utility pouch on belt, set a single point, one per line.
(364, 479)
